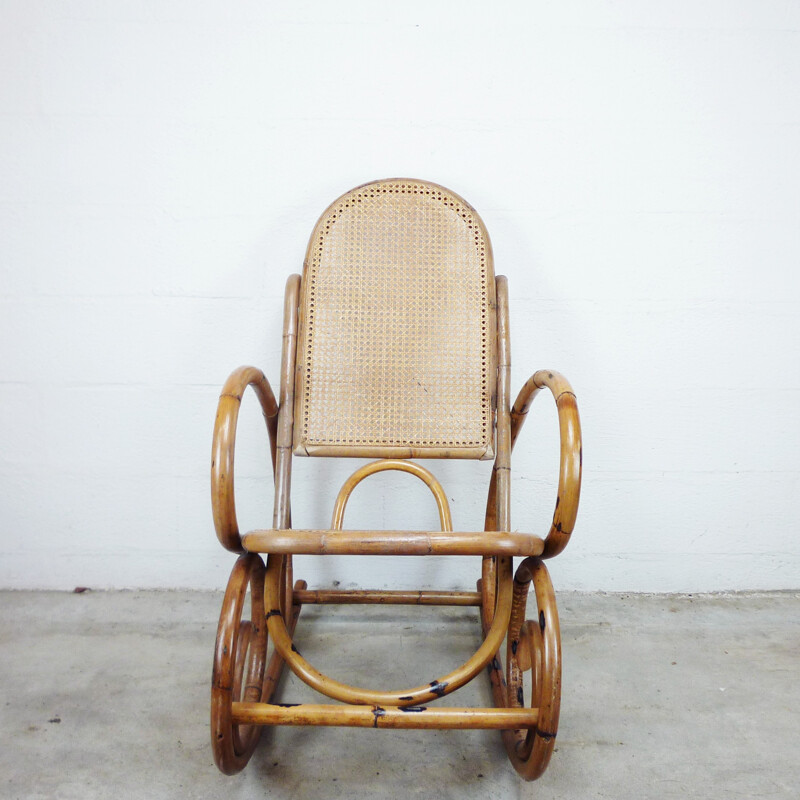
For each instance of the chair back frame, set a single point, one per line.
(397, 349)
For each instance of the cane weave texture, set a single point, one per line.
(397, 339)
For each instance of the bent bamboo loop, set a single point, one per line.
(233, 744)
(407, 697)
(223, 446)
(392, 464)
(571, 449)
(571, 457)
(530, 750)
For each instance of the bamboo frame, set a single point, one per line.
(282, 509)
(240, 663)
(571, 449)
(387, 598)
(414, 717)
(243, 683)
(419, 695)
(233, 744)
(282, 515)
(571, 459)
(392, 464)
(533, 646)
(223, 505)
(498, 504)
(331, 542)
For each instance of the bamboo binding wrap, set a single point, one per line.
(396, 344)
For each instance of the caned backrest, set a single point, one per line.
(396, 351)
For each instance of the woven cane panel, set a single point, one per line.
(397, 336)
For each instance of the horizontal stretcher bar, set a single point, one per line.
(401, 543)
(421, 717)
(389, 598)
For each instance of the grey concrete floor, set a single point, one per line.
(105, 694)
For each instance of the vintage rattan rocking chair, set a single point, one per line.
(395, 346)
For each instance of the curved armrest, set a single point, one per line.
(569, 474)
(222, 449)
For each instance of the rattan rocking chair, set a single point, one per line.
(395, 347)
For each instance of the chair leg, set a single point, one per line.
(534, 649)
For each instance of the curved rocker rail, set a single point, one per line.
(405, 697)
(241, 672)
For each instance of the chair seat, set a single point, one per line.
(403, 543)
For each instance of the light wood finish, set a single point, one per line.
(239, 659)
(275, 665)
(380, 374)
(535, 646)
(387, 598)
(281, 516)
(502, 462)
(419, 695)
(530, 750)
(241, 672)
(402, 543)
(223, 505)
(420, 717)
(392, 464)
(395, 345)
(498, 506)
(282, 510)
(569, 473)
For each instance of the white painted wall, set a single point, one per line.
(162, 163)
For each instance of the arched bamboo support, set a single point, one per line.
(239, 674)
(571, 461)
(392, 464)
(223, 505)
(407, 697)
